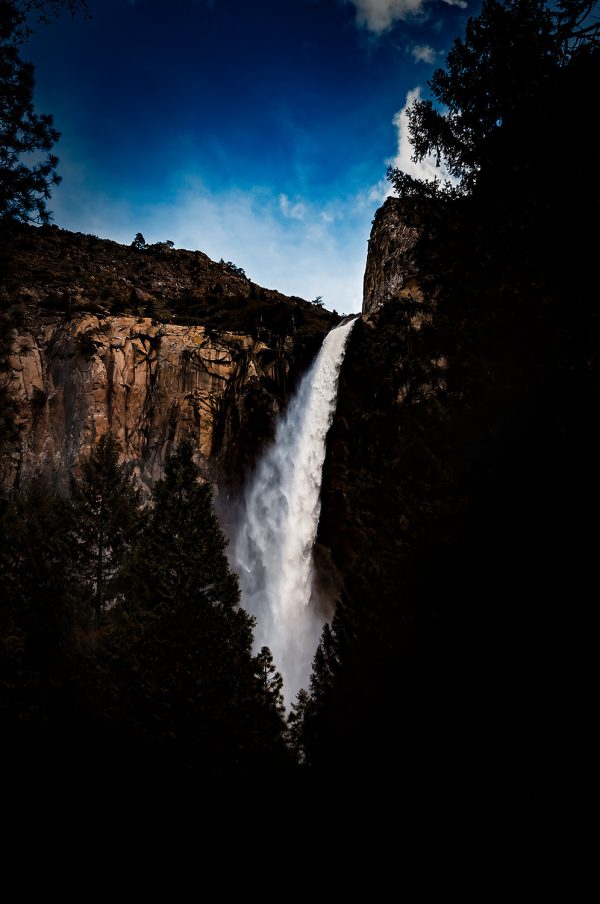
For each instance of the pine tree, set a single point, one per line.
(497, 89)
(488, 471)
(296, 724)
(24, 190)
(106, 505)
(270, 680)
(181, 557)
(185, 640)
(40, 610)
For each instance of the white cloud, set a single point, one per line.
(423, 53)
(322, 252)
(425, 169)
(290, 210)
(379, 15)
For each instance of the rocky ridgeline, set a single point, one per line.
(155, 344)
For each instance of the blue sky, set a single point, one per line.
(256, 131)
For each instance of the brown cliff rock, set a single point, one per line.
(151, 384)
(154, 345)
(391, 268)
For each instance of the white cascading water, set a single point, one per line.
(272, 550)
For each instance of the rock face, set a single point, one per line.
(86, 357)
(391, 270)
(151, 384)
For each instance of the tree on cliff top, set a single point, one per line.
(25, 189)
(510, 118)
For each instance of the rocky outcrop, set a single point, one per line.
(150, 384)
(391, 269)
(97, 346)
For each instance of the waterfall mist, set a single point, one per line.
(272, 549)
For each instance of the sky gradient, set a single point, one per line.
(258, 132)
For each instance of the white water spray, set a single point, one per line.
(273, 548)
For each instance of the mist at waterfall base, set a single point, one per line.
(272, 549)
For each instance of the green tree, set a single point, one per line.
(106, 505)
(495, 85)
(475, 479)
(40, 610)
(296, 724)
(270, 680)
(183, 544)
(505, 233)
(139, 242)
(25, 189)
(186, 641)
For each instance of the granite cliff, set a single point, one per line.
(391, 265)
(151, 343)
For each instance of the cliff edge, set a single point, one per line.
(153, 344)
(391, 268)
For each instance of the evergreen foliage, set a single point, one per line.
(122, 635)
(454, 671)
(106, 513)
(496, 89)
(270, 681)
(508, 110)
(237, 271)
(41, 609)
(185, 633)
(25, 190)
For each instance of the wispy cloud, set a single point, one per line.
(423, 53)
(402, 159)
(291, 210)
(379, 15)
(297, 246)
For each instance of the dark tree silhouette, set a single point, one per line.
(41, 608)
(270, 680)
(182, 634)
(25, 188)
(297, 724)
(491, 86)
(469, 497)
(105, 503)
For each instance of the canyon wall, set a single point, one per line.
(153, 344)
(151, 384)
(391, 268)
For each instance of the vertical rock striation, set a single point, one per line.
(155, 345)
(391, 269)
(151, 384)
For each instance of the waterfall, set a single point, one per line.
(272, 550)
